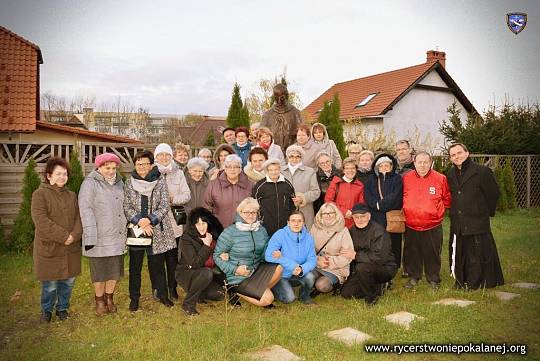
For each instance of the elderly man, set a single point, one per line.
(404, 156)
(229, 135)
(425, 197)
(474, 260)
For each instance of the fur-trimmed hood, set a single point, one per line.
(218, 150)
(394, 163)
(214, 225)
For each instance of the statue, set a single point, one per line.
(282, 118)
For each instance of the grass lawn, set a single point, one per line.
(159, 333)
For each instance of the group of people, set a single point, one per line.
(252, 221)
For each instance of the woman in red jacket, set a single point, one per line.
(346, 191)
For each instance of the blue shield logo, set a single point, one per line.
(516, 22)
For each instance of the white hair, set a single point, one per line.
(232, 158)
(197, 162)
(248, 202)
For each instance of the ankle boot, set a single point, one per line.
(111, 307)
(101, 308)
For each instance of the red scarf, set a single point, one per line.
(210, 261)
(265, 146)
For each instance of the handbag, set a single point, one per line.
(179, 213)
(395, 219)
(136, 237)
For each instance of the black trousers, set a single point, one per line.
(366, 280)
(422, 253)
(156, 270)
(200, 284)
(171, 261)
(396, 239)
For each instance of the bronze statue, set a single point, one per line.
(282, 118)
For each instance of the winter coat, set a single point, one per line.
(340, 240)
(403, 169)
(102, 214)
(425, 199)
(156, 208)
(324, 182)
(474, 198)
(55, 214)
(275, 151)
(364, 176)
(328, 145)
(305, 185)
(222, 197)
(244, 248)
(243, 152)
(252, 174)
(275, 200)
(391, 188)
(345, 195)
(179, 193)
(297, 249)
(311, 150)
(372, 245)
(196, 190)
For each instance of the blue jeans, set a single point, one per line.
(56, 292)
(284, 291)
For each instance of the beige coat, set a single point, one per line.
(306, 187)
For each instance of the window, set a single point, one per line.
(366, 100)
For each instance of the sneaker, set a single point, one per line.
(134, 305)
(62, 315)
(45, 317)
(190, 310)
(411, 283)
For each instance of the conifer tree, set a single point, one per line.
(76, 178)
(329, 116)
(238, 116)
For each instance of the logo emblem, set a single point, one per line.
(516, 22)
(431, 190)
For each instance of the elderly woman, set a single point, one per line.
(195, 271)
(197, 181)
(346, 191)
(57, 239)
(254, 169)
(225, 193)
(147, 206)
(311, 149)
(365, 166)
(101, 204)
(179, 195)
(244, 243)
(265, 140)
(242, 145)
(293, 248)
(332, 243)
(304, 181)
(320, 137)
(383, 193)
(275, 195)
(222, 151)
(325, 173)
(354, 150)
(181, 155)
(206, 154)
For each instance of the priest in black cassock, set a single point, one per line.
(474, 261)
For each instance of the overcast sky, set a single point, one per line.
(184, 56)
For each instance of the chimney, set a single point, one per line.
(435, 55)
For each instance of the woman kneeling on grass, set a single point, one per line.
(240, 254)
(57, 240)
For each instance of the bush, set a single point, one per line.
(509, 184)
(23, 228)
(76, 178)
(502, 203)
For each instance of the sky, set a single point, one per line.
(181, 57)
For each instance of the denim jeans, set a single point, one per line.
(56, 292)
(284, 291)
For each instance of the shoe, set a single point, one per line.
(134, 304)
(173, 294)
(434, 285)
(45, 317)
(308, 301)
(190, 310)
(404, 275)
(234, 299)
(101, 307)
(270, 306)
(371, 301)
(62, 315)
(388, 286)
(411, 283)
(111, 307)
(166, 301)
(155, 295)
(202, 301)
(336, 291)
(314, 293)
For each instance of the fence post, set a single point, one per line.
(528, 181)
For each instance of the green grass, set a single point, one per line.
(158, 333)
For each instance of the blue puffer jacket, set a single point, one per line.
(243, 152)
(244, 248)
(296, 249)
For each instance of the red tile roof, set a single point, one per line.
(390, 87)
(102, 136)
(201, 131)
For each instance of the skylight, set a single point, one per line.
(366, 100)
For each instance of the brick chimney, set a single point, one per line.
(435, 55)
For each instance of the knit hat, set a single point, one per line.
(295, 149)
(106, 157)
(383, 160)
(163, 148)
(359, 208)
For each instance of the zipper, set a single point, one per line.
(277, 199)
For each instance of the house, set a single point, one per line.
(403, 101)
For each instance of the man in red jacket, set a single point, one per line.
(426, 195)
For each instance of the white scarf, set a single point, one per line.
(293, 168)
(165, 169)
(143, 187)
(241, 226)
(348, 180)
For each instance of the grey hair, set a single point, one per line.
(322, 153)
(204, 150)
(248, 202)
(197, 162)
(368, 152)
(232, 158)
(271, 161)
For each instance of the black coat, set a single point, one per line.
(474, 198)
(275, 200)
(363, 177)
(324, 182)
(372, 245)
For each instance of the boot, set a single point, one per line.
(173, 294)
(101, 308)
(111, 307)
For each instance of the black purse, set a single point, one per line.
(179, 213)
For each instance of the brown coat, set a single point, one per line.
(55, 213)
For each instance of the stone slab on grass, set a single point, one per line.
(505, 296)
(348, 336)
(454, 302)
(403, 318)
(274, 353)
(526, 285)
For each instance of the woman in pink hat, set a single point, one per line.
(101, 204)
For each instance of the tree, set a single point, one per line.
(238, 116)
(77, 175)
(329, 116)
(502, 203)
(210, 139)
(22, 234)
(509, 183)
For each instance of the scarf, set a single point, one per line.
(265, 146)
(348, 180)
(145, 185)
(293, 168)
(165, 169)
(210, 261)
(253, 227)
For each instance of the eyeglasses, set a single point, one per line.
(142, 164)
(328, 213)
(252, 213)
(294, 156)
(232, 167)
